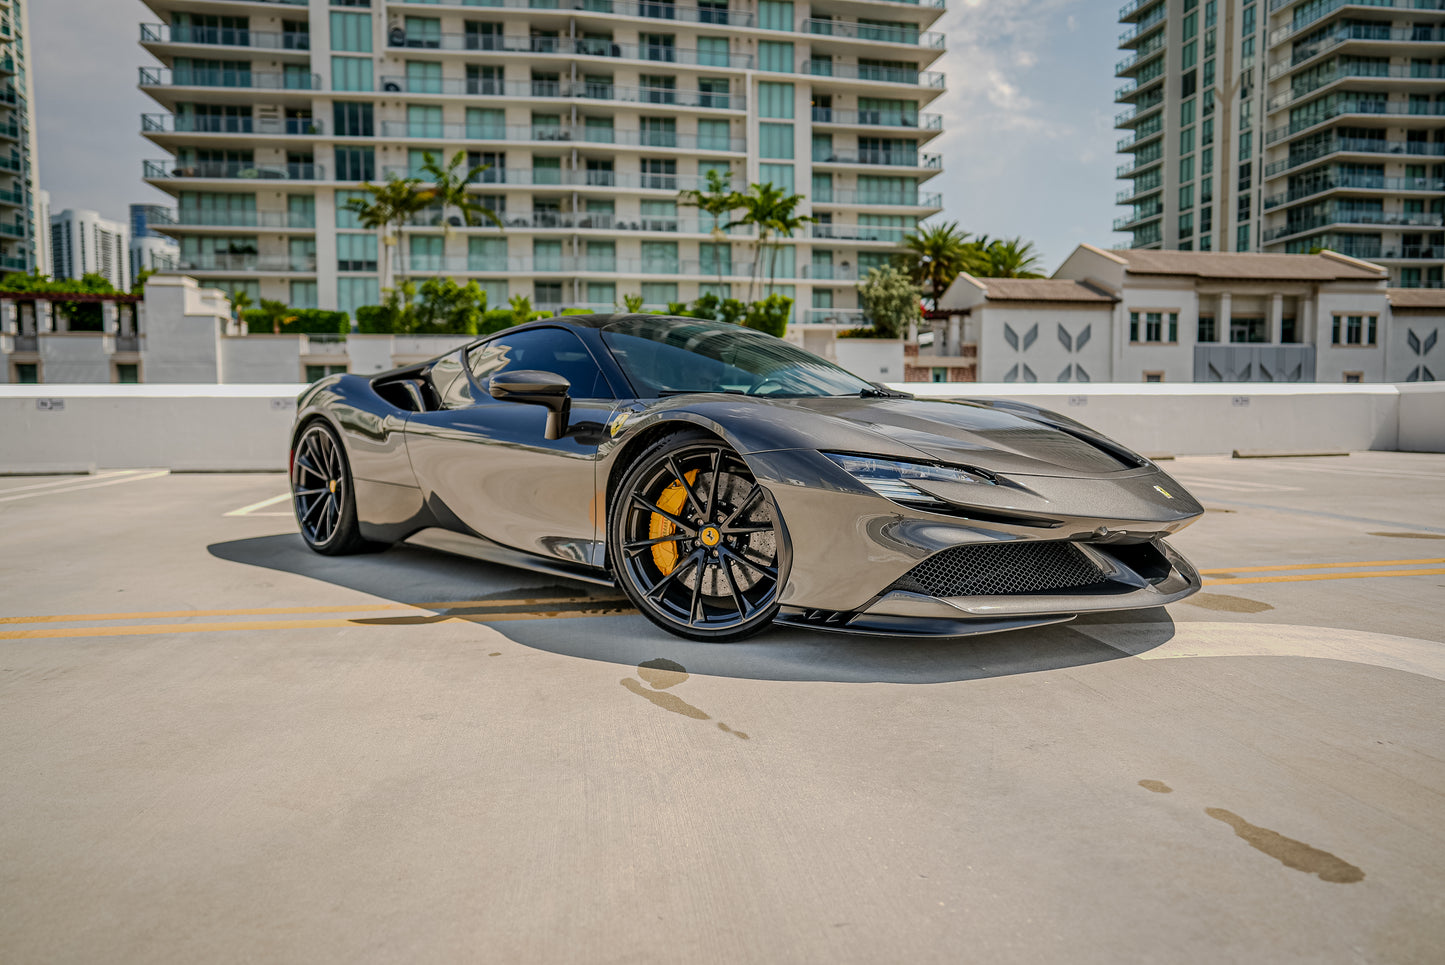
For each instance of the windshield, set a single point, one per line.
(667, 356)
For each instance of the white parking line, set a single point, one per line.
(251, 509)
(70, 480)
(130, 476)
(1234, 485)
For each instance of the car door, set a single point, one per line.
(486, 462)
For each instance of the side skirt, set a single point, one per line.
(479, 549)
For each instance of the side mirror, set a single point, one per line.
(536, 388)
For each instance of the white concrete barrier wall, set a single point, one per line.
(77, 428)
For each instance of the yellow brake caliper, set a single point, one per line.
(673, 498)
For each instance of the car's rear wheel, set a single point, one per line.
(695, 542)
(322, 494)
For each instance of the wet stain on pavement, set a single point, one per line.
(661, 673)
(1410, 535)
(496, 653)
(1158, 787)
(1214, 509)
(1227, 603)
(1289, 852)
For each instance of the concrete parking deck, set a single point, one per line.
(221, 747)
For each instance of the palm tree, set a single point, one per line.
(450, 189)
(719, 200)
(1012, 258)
(934, 255)
(278, 313)
(240, 301)
(390, 207)
(773, 213)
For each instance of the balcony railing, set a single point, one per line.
(1354, 182)
(1126, 144)
(532, 177)
(245, 170)
(1339, 108)
(1143, 27)
(1137, 218)
(1138, 164)
(1129, 195)
(241, 261)
(1133, 7)
(1356, 72)
(13, 196)
(909, 200)
(13, 163)
(657, 10)
(550, 134)
(241, 79)
(584, 265)
(570, 47)
(1320, 12)
(10, 131)
(1354, 145)
(16, 230)
(550, 89)
(831, 115)
(1355, 216)
(856, 232)
(1143, 106)
(580, 221)
(888, 34)
(209, 124)
(851, 317)
(875, 156)
(1348, 32)
(842, 271)
(1146, 51)
(190, 218)
(159, 33)
(887, 75)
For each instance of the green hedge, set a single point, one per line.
(300, 321)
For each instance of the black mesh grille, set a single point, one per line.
(993, 569)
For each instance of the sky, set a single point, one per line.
(1027, 144)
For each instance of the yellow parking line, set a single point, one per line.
(1315, 566)
(291, 610)
(167, 628)
(1302, 577)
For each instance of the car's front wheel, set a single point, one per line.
(322, 494)
(695, 542)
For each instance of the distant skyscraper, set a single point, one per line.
(149, 250)
(591, 116)
(20, 216)
(1287, 126)
(82, 242)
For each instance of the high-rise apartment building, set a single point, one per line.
(592, 116)
(83, 243)
(149, 249)
(20, 217)
(1287, 126)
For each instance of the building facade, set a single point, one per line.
(83, 243)
(1173, 316)
(1287, 126)
(149, 249)
(592, 116)
(20, 215)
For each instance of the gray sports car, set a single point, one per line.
(727, 480)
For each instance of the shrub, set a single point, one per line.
(890, 299)
(299, 321)
(770, 315)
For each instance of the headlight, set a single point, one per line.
(893, 480)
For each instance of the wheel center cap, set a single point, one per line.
(331, 485)
(709, 536)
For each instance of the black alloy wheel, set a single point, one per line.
(695, 541)
(321, 493)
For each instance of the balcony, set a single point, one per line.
(856, 232)
(1320, 12)
(887, 75)
(569, 47)
(10, 131)
(875, 156)
(159, 33)
(566, 89)
(16, 230)
(188, 218)
(923, 122)
(1354, 145)
(1145, 53)
(1363, 72)
(579, 221)
(1127, 144)
(874, 33)
(1338, 181)
(14, 164)
(1132, 9)
(268, 126)
(848, 317)
(843, 271)
(249, 262)
(15, 197)
(238, 79)
(1139, 164)
(604, 181)
(844, 196)
(595, 265)
(558, 134)
(1138, 191)
(1373, 107)
(620, 8)
(1345, 33)
(1144, 27)
(1142, 108)
(243, 170)
(1349, 216)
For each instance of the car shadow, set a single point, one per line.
(598, 627)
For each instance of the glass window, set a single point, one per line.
(304, 294)
(355, 252)
(712, 51)
(659, 257)
(775, 15)
(601, 294)
(779, 175)
(351, 31)
(775, 99)
(423, 121)
(1186, 140)
(659, 293)
(355, 164)
(775, 56)
(1186, 112)
(1206, 330)
(351, 73)
(353, 293)
(775, 140)
(554, 350)
(714, 135)
(423, 77)
(353, 119)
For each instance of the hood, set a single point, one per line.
(1009, 440)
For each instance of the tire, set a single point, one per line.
(695, 542)
(322, 494)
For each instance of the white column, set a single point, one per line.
(1221, 317)
(913, 331)
(109, 318)
(9, 320)
(1276, 313)
(955, 325)
(44, 317)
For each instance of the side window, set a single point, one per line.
(455, 393)
(553, 350)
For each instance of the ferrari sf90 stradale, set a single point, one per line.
(727, 480)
